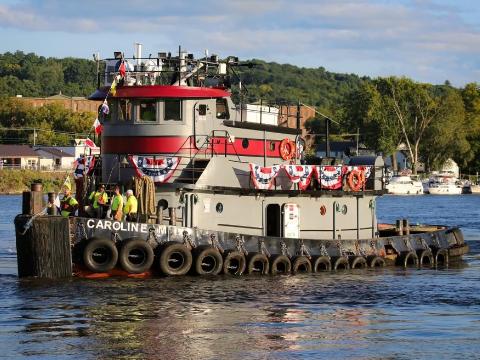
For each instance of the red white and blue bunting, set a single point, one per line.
(300, 174)
(263, 177)
(330, 176)
(160, 169)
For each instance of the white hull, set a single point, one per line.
(445, 190)
(404, 185)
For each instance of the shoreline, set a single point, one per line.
(16, 181)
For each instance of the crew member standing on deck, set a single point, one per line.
(117, 204)
(131, 207)
(98, 199)
(69, 204)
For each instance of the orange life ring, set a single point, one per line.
(356, 180)
(287, 149)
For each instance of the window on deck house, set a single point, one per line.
(222, 109)
(124, 110)
(147, 110)
(173, 109)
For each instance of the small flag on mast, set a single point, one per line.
(97, 125)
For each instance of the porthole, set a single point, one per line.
(245, 143)
(219, 208)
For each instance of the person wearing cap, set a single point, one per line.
(131, 207)
(117, 204)
(98, 199)
(69, 204)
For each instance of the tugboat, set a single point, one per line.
(224, 188)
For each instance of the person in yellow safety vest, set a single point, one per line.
(131, 207)
(117, 204)
(98, 199)
(68, 205)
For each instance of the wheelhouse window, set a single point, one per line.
(173, 110)
(125, 110)
(147, 110)
(222, 109)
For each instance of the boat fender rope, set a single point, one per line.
(240, 244)
(373, 247)
(340, 249)
(390, 242)
(262, 248)
(435, 241)
(424, 244)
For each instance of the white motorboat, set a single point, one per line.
(404, 185)
(444, 184)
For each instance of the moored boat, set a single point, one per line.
(444, 184)
(404, 185)
(222, 188)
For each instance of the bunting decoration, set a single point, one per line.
(263, 177)
(330, 177)
(159, 169)
(300, 174)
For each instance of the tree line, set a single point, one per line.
(431, 122)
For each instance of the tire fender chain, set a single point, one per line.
(215, 243)
(435, 241)
(240, 245)
(152, 236)
(284, 249)
(424, 244)
(359, 250)
(373, 247)
(81, 232)
(390, 242)
(407, 243)
(340, 249)
(188, 241)
(262, 248)
(115, 237)
(303, 250)
(323, 251)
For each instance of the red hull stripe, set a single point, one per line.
(182, 145)
(164, 91)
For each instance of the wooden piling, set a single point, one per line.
(399, 227)
(32, 201)
(44, 250)
(406, 227)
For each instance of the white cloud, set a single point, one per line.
(375, 37)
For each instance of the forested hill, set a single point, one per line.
(33, 75)
(316, 87)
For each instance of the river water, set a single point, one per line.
(361, 314)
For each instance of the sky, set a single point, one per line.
(426, 40)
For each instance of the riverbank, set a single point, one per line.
(17, 181)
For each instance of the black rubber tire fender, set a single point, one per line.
(257, 263)
(234, 262)
(375, 261)
(174, 259)
(321, 264)
(100, 255)
(441, 257)
(425, 258)
(136, 256)
(280, 264)
(358, 262)
(301, 264)
(207, 260)
(340, 263)
(407, 258)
